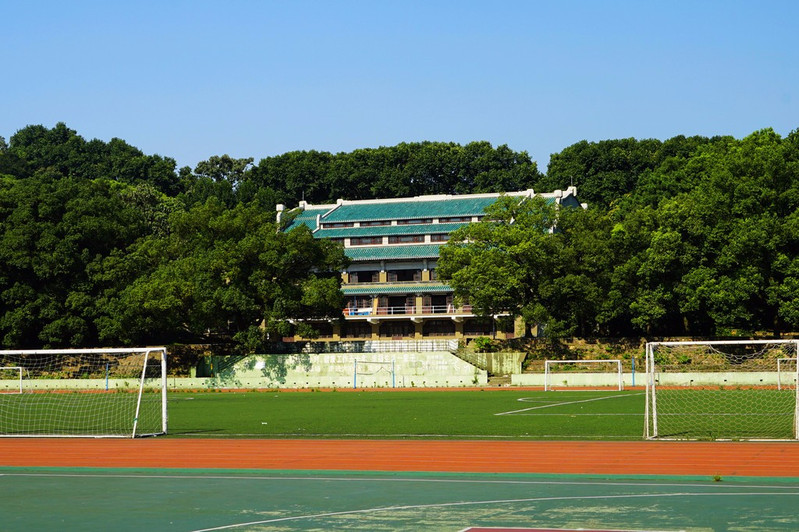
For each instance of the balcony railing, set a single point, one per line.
(408, 310)
(402, 309)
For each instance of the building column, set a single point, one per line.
(383, 276)
(459, 328)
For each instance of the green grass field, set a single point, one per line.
(457, 414)
(506, 414)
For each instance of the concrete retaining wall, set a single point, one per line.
(769, 378)
(410, 369)
(338, 370)
(323, 370)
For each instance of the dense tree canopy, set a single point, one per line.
(101, 244)
(704, 242)
(408, 169)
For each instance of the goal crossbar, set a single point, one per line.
(93, 392)
(549, 363)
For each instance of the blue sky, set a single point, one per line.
(192, 79)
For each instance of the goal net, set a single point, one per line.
(587, 374)
(83, 392)
(786, 372)
(374, 374)
(723, 390)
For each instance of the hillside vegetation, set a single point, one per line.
(101, 244)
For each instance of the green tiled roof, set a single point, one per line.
(399, 210)
(380, 230)
(306, 217)
(421, 251)
(381, 289)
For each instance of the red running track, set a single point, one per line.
(771, 459)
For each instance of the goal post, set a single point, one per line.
(583, 374)
(722, 390)
(103, 392)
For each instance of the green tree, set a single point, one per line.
(53, 231)
(225, 275)
(62, 151)
(531, 259)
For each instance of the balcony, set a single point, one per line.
(390, 311)
(409, 310)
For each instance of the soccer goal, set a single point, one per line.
(375, 374)
(722, 390)
(586, 374)
(83, 392)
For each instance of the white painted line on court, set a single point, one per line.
(203, 476)
(497, 501)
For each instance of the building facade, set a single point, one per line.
(391, 285)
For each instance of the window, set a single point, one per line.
(365, 277)
(359, 306)
(455, 219)
(396, 329)
(334, 225)
(366, 240)
(439, 328)
(396, 305)
(375, 223)
(403, 275)
(437, 304)
(405, 239)
(415, 221)
(439, 237)
(356, 330)
(478, 327)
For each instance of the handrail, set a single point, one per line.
(412, 310)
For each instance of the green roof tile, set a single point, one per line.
(403, 210)
(380, 230)
(393, 252)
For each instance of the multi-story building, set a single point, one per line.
(391, 285)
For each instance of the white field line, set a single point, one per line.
(563, 403)
(203, 476)
(497, 501)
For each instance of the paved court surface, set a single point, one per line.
(199, 499)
